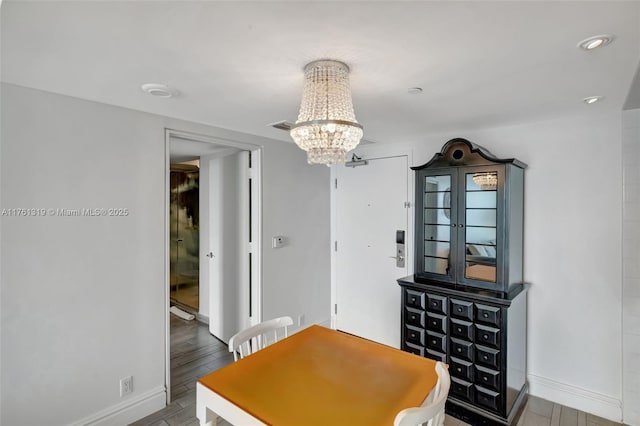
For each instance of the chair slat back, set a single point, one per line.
(432, 410)
(259, 336)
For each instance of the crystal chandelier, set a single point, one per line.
(487, 181)
(326, 127)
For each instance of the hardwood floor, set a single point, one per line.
(195, 352)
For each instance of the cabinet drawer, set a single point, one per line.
(461, 369)
(487, 314)
(462, 389)
(488, 357)
(414, 317)
(414, 335)
(487, 398)
(462, 329)
(488, 336)
(414, 299)
(436, 341)
(438, 356)
(436, 303)
(437, 322)
(414, 349)
(462, 349)
(462, 309)
(488, 378)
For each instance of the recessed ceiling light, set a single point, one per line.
(159, 90)
(414, 90)
(595, 42)
(592, 99)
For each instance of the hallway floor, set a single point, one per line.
(195, 352)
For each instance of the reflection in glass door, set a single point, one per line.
(184, 236)
(481, 224)
(437, 224)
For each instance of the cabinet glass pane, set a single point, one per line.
(437, 224)
(437, 217)
(481, 223)
(437, 199)
(481, 217)
(437, 232)
(436, 265)
(481, 200)
(437, 249)
(477, 235)
(437, 183)
(482, 181)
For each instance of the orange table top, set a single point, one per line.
(325, 377)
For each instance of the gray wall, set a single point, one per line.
(82, 298)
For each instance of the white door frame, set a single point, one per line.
(256, 223)
(373, 152)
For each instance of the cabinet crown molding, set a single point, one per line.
(462, 152)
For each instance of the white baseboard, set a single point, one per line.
(576, 397)
(202, 318)
(128, 411)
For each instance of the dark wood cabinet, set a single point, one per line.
(466, 303)
(469, 217)
(481, 335)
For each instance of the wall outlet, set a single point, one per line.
(126, 386)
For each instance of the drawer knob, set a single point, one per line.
(485, 357)
(459, 349)
(459, 330)
(434, 342)
(485, 336)
(459, 370)
(459, 309)
(485, 315)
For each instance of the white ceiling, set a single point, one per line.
(238, 65)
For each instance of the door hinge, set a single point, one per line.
(336, 183)
(335, 245)
(335, 309)
(407, 204)
(249, 159)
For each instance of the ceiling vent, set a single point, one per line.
(281, 125)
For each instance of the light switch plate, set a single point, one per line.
(278, 241)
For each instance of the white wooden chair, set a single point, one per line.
(431, 412)
(256, 337)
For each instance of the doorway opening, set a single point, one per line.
(212, 235)
(184, 235)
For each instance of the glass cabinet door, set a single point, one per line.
(435, 249)
(480, 224)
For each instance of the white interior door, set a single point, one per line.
(228, 244)
(369, 209)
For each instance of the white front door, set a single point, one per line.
(370, 206)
